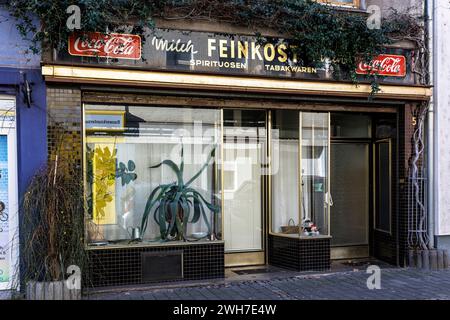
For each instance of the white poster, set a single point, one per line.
(8, 195)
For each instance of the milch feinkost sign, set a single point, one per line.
(193, 51)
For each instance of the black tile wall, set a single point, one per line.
(392, 247)
(299, 254)
(112, 267)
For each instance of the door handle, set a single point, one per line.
(328, 199)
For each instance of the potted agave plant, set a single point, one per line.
(176, 204)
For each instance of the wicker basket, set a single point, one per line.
(290, 228)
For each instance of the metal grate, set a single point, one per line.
(418, 237)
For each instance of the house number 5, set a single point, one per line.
(414, 121)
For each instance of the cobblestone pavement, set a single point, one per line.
(396, 284)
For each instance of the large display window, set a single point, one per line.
(300, 173)
(285, 172)
(244, 152)
(157, 174)
(151, 174)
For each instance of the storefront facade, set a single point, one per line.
(203, 150)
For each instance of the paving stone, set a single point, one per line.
(396, 283)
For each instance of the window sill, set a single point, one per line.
(301, 237)
(126, 244)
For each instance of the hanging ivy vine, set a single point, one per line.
(314, 30)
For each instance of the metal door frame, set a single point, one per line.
(249, 257)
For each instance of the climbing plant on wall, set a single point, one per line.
(314, 30)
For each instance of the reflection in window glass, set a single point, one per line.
(285, 182)
(244, 149)
(123, 146)
(314, 173)
(346, 125)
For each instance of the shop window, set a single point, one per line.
(314, 196)
(285, 172)
(300, 173)
(244, 150)
(134, 151)
(346, 125)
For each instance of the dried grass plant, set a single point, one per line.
(53, 222)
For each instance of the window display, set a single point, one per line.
(300, 173)
(244, 149)
(315, 197)
(151, 174)
(285, 177)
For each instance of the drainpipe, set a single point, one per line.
(432, 150)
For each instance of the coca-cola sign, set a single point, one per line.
(113, 45)
(384, 65)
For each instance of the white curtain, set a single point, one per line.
(242, 193)
(285, 188)
(131, 199)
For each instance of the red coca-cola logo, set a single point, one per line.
(113, 45)
(384, 65)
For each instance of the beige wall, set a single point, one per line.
(403, 6)
(442, 115)
(414, 7)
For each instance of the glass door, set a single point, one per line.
(315, 198)
(300, 197)
(244, 148)
(350, 172)
(351, 140)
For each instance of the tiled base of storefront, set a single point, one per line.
(126, 266)
(300, 254)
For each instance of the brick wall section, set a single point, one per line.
(64, 124)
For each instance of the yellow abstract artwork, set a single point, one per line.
(104, 183)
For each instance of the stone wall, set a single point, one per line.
(442, 123)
